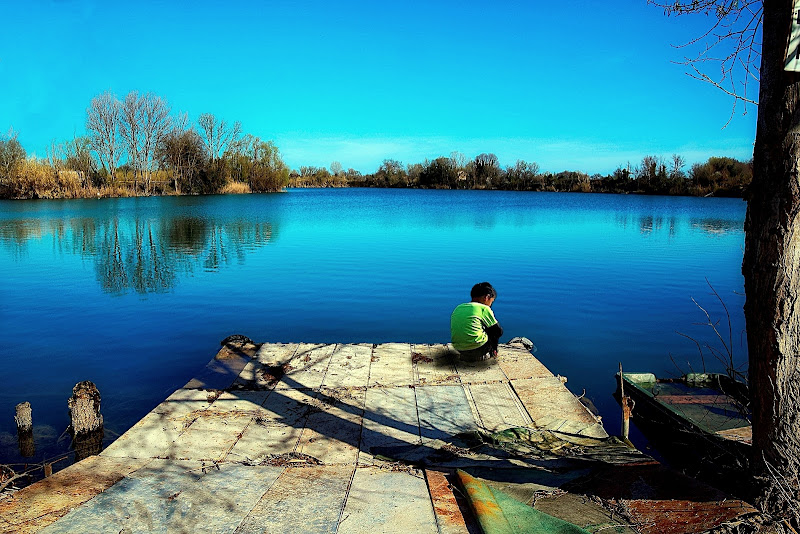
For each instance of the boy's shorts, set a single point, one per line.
(482, 353)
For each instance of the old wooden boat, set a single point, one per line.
(702, 419)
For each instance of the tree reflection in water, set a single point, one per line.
(144, 255)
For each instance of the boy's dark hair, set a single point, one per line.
(482, 289)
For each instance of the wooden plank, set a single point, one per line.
(391, 365)
(333, 433)
(434, 364)
(33, 508)
(349, 366)
(387, 502)
(152, 437)
(211, 436)
(552, 406)
(168, 496)
(390, 419)
(307, 368)
(480, 372)
(443, 412)
(305, 500)
(498, 407)
(221, 372)
(519, 363)
(276, 428)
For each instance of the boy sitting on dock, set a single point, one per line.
(474, 330)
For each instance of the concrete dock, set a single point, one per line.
(352, 438)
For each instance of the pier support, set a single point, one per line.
(84, 408)
(24, 420)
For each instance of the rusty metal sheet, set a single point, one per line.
(434, 364)
(306, 500)
(449, 515)
(308, 367)
(391, 365)
(349, 366)
(444, 411)
(387, 501)
(683, 517)
(498, 407)
(40, 504)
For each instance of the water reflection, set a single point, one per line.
(144, 255)
(652, 224)
(715, 226)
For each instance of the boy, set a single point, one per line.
(474, 330)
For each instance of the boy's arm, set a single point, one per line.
(495, 331)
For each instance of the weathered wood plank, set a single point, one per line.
(152, 437)
(391, 365)
(302, 501)
(387, 501)
(41, 504)
(498, 406)
(434, 364)
(517, 362)
(276, 428)
(349, 366)
(480, 372)
(332, 434)
(168, 496)
(307, 368)
(390, 419)
(554, 407)
(444, 411)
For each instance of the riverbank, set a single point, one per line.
(367, 437)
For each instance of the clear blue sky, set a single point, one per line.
(575, 85)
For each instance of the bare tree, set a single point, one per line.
(156, 123)
(130, 129)
(217, 134)
(102, 123)
(772, 226)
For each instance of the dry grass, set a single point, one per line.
(235, 188)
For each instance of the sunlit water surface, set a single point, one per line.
(135, 294)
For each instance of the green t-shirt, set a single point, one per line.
(468, 325)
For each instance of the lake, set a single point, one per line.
(136, 294)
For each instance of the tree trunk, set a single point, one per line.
(771, 270)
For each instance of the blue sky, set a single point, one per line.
(572, 85)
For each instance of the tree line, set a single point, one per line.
(136, 146)
(718, 176)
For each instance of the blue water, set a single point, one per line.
(135, 294)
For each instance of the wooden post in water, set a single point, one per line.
(84, 408)
(87, 422)
(24, 420)
(627, 406)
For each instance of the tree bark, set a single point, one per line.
(771, 268)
